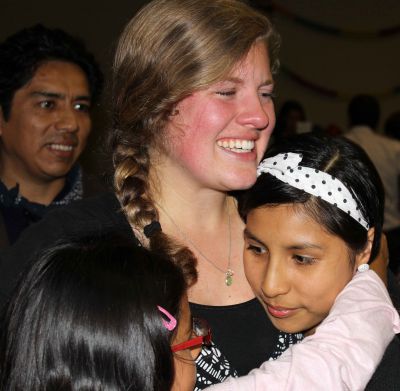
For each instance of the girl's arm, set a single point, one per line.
(344, 351)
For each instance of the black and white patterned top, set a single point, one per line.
(213, 367)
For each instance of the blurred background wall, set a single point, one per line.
(333, 49)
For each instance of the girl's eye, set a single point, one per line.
(301, 260)
(258, 250)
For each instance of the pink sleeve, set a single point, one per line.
(344, 351)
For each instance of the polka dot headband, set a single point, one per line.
(285, 167)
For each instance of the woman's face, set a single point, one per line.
(184, 360)
(294, 266)
(219, 134)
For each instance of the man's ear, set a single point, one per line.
(365, 254)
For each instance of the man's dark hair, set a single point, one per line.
(22, 53)
(364, 110)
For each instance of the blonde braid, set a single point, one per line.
(168, 50)
(133, 191)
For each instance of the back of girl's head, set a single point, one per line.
(170, 49)
(344, 161)
(85, 317)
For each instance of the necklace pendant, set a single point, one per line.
(228, 277)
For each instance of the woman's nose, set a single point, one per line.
(256, 113)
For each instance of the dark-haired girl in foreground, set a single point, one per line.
(102, 314)
(313, 222)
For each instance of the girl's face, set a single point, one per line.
(219, 134)
(295, 267)
(184, 360)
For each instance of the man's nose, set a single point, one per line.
(67, 121)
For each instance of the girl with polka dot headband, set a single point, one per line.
(313, 220)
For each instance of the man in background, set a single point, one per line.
(48, 83)
(364, 113)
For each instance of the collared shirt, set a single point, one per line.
(18, 212)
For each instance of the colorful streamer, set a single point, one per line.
(356, 34)
(332, 93)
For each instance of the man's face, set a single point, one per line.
(48, 125)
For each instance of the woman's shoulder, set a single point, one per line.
(94, 215)
(86, 215)
(104, 203)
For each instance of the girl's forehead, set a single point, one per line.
(287, 221)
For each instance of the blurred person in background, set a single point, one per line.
(48, 82)
(364, 115)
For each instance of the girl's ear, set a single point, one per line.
(364, 255)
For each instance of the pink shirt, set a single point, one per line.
(344, 351)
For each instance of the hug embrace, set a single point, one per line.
(192, 113)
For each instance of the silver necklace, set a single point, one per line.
(228, 272)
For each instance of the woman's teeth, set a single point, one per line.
(240, 146)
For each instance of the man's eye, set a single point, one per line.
(301, 260)
(47, 104)
(258, 250)
(82, 107)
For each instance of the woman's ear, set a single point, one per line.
(365, 254)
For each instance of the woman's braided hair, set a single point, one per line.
(168, 50)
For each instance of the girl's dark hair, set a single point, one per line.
(345, 161)
(85, 317)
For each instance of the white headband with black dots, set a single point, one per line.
(285, 167)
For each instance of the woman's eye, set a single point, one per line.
(258, 250)
(226, 93)
(302, 260)
(268, 94)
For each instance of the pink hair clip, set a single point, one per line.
(171, 323)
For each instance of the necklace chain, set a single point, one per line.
(228, 272)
